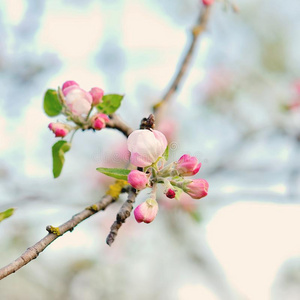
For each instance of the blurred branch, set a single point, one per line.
(122, 215)
(196, 32)
(54, 233)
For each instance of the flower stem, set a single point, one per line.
(88, 115)
(154, 189)
(71, 139)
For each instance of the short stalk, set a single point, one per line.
(72, 136)
(154, 189)
(89, 113)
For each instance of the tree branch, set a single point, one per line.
(196, 31)
(54, 233)
(117, 123)
(122, 215)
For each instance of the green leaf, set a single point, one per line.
(110, 103)
(115, 173)
(6, 214)
(58, 151)
(166, 154)
(52, 105)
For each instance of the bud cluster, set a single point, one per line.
(148, 152)
(77, 106)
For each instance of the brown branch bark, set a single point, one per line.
(122, 215)
(117, 123)
(54, 233)
(196, 31)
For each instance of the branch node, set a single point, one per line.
(148, 123)
(93, 208)
(54, 230)
(116, 189)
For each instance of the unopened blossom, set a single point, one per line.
(97, 95)
(68, 84)
(138, 179)
(170, 193)
(147, 211)
(59, 129)
(187, 165)
(77, 100)
(197, 189)
(146, 146)
(99, 121)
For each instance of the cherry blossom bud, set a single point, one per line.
(207, 2)
(187, 165)
(68, 84)
(78, 100)
(59, 129)
(97, 95)
(197, 188)
(146, 147)
(147, 211)
(170, 193)
(138, 179)
(98, 121)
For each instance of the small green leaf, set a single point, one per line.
(52, 105)
(110, 103)
(178, 192)
(166, 154)
(6, 214)
(115, 173)
(58, 151)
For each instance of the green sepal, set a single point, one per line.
(52, 105)
(58, 151)
(166, 154)
(110, 103)
(121, 174)
(6, 214)
(178, 192)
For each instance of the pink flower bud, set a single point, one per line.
(187, 165)
(207, 2)
(78, 100)
(97, 95)
(146, 212)
(146, 146)
(138, 179)
(98, 121)
(59, 129)
(170, 193)
(68, 84)
(197, 188)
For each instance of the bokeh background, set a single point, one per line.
(238, 111)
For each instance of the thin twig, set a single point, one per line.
(122, 215)
(116, 123)
(196, 31)
(54, 233)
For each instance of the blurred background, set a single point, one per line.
(238, 111)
